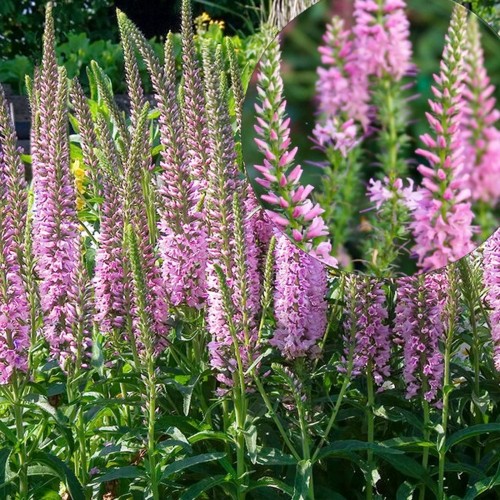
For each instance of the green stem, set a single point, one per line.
(23, 459)
(306, 445)
(371, 428)
(343, 390)
(80, 457)
(425, 454)
(275, 418)
(151, 432)
(444, 422)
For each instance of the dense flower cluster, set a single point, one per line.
(367, 318)
(294, 212)
(342, 90)
(492, 280)
(299, 301)
(481, 137)
(419, 326)
(55, 225)
(382, 34)
(14, 307)
(442, 221)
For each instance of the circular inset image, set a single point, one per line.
(371, 133)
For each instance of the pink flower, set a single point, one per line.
(481, 137)
(342, 87)
(382, 32)
(492, 280)
(442, 217)
(292, 209)
(367, 316)
(299, 301)
(418, 328)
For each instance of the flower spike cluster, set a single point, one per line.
(382, 33)
(14, 305)
(55, 223)
(442, 220)
(492, 281)
(419, 328)
(299, 301)
(368, 318)
(342, 91)
(293, 211)
(182, 239)
(232, 306)
(110, 281)
(481, 136)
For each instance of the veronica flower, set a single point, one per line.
(14, 305)
(135, 215)
(419, 328)
(293, 211)
(342, 90)
(368, 317)
(193, 105)
(55, 222)
(482, 138)
(382, 34)
(300, 305)
(110, 279)
(492, 280)
(232, 251)
(442, 220)
(182, 239)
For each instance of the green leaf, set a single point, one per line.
(185, 463)
(273, 456)
(202, 486)
(128, 472)
(410, 468)
(475, 430)
(271, 482)
(208, 435)
(407, 442)
(60, 419)
(340, 448)
(62, 471)
(302, 480)
(8, 433)
(405, 491)
(484, 485)
(4, 459)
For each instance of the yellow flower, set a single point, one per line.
(204, 21)
(80, 174)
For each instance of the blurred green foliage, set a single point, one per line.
(489, 10)
(21, 23)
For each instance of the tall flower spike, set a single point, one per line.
(419, 326)
(366, 300)
(14, 306)
(293, 211)
(88, 139)
(382, 32)
(230, 243)
(193, 105)
(442, 219)
(135, 215)
(182, 237)
(482, 138)
(55, 223)
(299, 301)
(492, 280)
(109, 279)
(342, 90)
